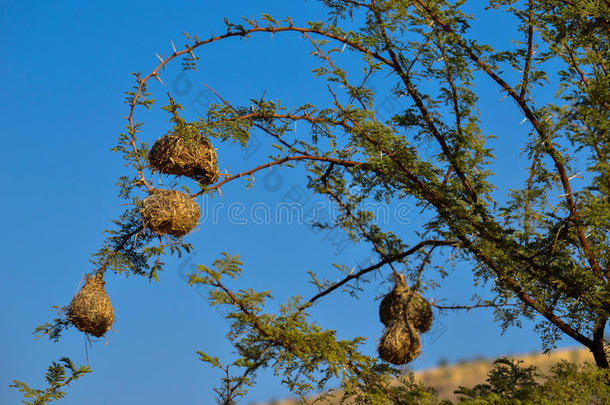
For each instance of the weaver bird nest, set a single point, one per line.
(91, 310)
(185, 153)
(169, 212)
(399, 344)
(405, 305)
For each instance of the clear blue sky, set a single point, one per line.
(64, 70)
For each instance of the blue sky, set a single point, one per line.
(64, 70)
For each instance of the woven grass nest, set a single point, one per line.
(405, 305)
(169, 212)
(399, 344)
(91, 310)
(185, 153)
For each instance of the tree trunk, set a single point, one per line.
(598, 349)
(599, 354)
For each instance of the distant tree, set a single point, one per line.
(509, 383)
(546, 257)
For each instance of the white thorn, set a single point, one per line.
(160, 58)
(577, 175)
(173, 46)
(523, 120)
(159, 79)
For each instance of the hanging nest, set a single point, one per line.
(185, 153)
(169, 212)
(405, 305)
(399, 344)
(91, 310)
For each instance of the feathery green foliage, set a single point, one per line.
(57, 378)
(543, 246)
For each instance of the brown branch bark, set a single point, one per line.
(364, 232)
(295, 350)
(530, 49)
(376, 266)
(470, 307)
(415, 96)
(550, 148)
(528, 300)
(598, 348)
(408, 173)
(348, 163)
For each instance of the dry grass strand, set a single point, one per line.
(405, 305)
(399, 344)
(170, 212)
(186, 153)
(91, 310)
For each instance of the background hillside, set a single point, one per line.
(447, 378)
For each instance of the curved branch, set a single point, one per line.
(514, 286)
(470, 307)
(189, 50)
(347, 163)
(245, 33)
(388, 260)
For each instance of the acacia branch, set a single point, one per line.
(575, 65)
(347, 209)
(422, 266)
(415, 96)
(440, 204)
(189, 50)
(530, 48)
(390, 259)
(519, 291)
(273, 340)
(599, 349)
(530, 181)
(550, 148)
(347, 163)
(431, 196)
(583, 77)
(454, 95)
(330, 63)
(470, 307)
(118, 248)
